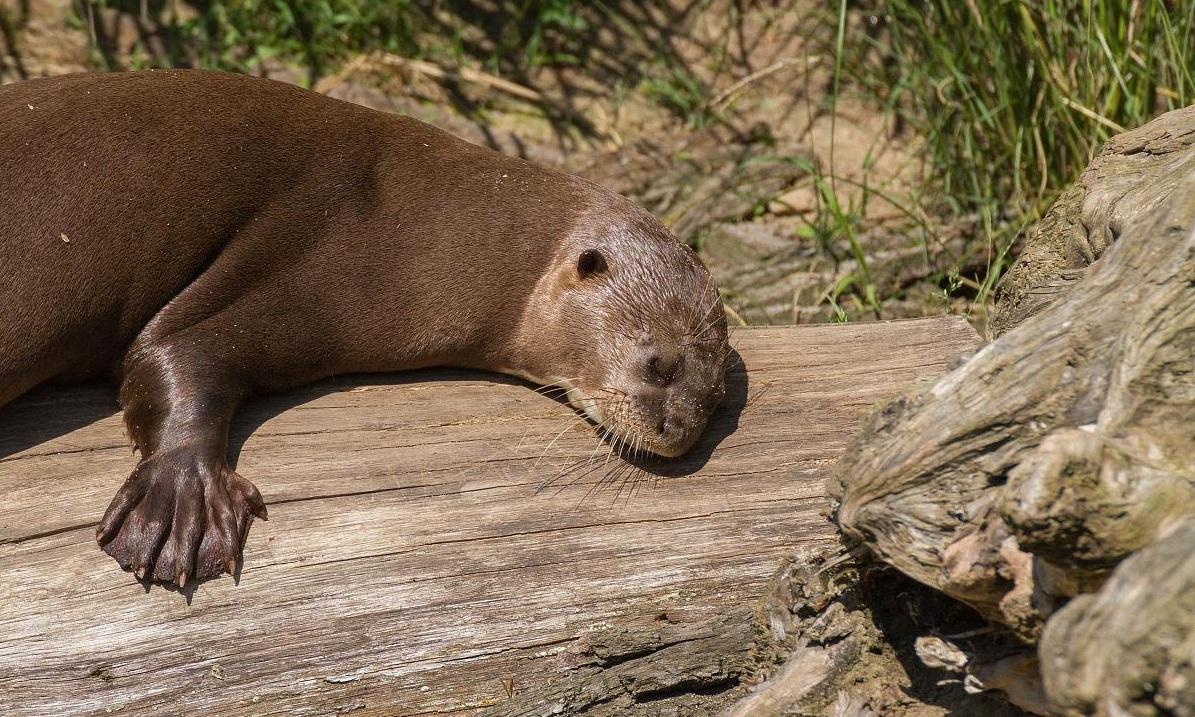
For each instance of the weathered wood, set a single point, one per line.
(414, 562)
(1133, 172)
(1049, 481)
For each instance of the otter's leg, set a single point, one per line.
(183, 512)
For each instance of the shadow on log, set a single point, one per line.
(1049, 482)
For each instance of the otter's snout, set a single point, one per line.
(672, 397)
(677, 428)
(677, 434)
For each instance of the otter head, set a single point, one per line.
(628, 323)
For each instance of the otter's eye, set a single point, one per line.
(590, 262)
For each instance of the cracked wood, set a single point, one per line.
(416, 560)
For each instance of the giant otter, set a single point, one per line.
(200, 236)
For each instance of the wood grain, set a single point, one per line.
(416, 560)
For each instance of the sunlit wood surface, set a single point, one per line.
(436, 540)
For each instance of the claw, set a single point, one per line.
(170, 524)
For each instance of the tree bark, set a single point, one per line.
(1049, 482)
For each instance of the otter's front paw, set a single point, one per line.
(179, 517)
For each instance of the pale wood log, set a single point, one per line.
(414, 563)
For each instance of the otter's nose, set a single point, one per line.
(663, 366)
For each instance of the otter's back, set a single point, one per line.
(116, 190)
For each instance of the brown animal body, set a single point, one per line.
(199, 237)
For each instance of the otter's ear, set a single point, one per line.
(590, 262)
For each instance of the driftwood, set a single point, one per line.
(1049, 482)
(443, 543)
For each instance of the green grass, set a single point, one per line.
(239, 35)
(510, 38)
(1014, 97)
(682, 94)
(319, 35)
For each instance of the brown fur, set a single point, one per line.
(199, 236)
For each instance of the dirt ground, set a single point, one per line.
(747, 170)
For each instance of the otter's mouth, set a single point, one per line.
(635, 428)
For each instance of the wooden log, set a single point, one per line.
(1049, 481)
(1126, 182)
(440, 543)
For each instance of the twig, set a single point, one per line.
(724, 98)
(428, 69)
